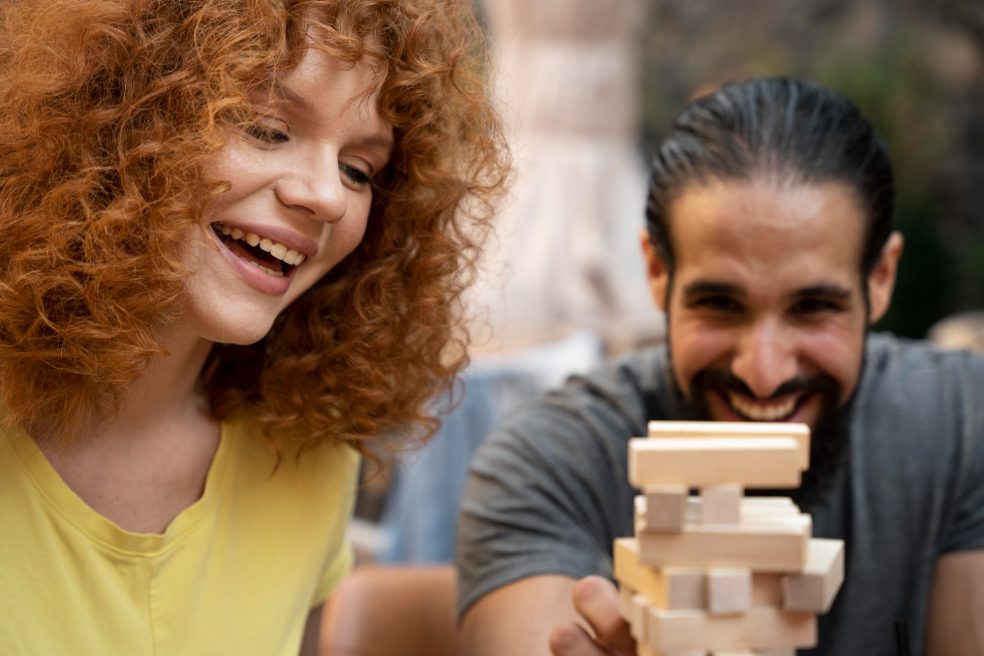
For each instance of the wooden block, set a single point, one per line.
(813, 590)
(670, 587)
(685, 589)
(757, 509)
(766, 589)
(760, 652)
(759, 628)
(721, 504)
(729, 590)
(633, 609)
(752, 462)
(774, 546)
(664, 508)
(625, 607)
(765, 507)
(627, 570)
(799, 432)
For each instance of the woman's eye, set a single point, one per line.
(358, 177)
(265, 133)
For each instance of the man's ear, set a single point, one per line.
(656, 271)
(881, 280)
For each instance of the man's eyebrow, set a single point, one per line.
(826, 290)
(704, 287)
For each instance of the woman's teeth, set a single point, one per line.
(762, 411)
(276, 249)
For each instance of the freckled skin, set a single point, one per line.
(302, 171)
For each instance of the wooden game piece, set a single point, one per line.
(682, 592)
(759, 628)
(669, 587)
(729, 590)
(766, 589)
(699, 461)
(663, 508)
(684, 589)
(721, 504)
(761, 652)
(644, 650)
(633, 608)
(778, 545)
(813, 590)
(753, 507)
(799, 432)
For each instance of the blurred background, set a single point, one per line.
(586, 88)
(915, 67)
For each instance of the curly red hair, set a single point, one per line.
(109, 111)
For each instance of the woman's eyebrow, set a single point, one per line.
(283, 93)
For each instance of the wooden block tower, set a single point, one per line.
(717, 572)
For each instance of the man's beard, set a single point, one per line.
(828, 439)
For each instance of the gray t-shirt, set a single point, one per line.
(548, 491)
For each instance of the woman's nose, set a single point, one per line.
(315, 185)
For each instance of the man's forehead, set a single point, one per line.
(763, 221)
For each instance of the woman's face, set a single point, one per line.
(298, 200)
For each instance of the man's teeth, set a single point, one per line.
(761, 411)
(276, 249)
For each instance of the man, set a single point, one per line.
(770, 247)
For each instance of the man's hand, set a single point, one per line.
(596, 600)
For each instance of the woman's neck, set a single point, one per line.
(167, 388)
(149, 461)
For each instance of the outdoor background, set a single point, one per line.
(916, 68)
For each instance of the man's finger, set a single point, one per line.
(573, 640)
(596, 599)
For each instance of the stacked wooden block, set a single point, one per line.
(717, 572)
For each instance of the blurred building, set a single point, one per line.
(566, 257)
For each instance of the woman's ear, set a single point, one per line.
(656, 271)
(881, 280)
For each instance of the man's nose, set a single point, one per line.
(765, 357)
(314, 184)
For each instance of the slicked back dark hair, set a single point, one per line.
(791, 131)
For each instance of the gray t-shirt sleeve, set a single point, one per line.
(965, 529)
(548, 492)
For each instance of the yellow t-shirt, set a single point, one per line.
(235, 573)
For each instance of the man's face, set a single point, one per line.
(767, 314)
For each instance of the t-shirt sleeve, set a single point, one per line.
(546, 494)
(965, 531)
(338, 567)
(341, 498)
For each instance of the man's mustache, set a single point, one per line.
(722, 380)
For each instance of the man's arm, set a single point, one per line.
(547, 615)
(312, 631)
(955, 626)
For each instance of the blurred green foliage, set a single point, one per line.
(886, 70)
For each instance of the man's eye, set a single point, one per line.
(717, 303)
(811, 306)
(265, 133)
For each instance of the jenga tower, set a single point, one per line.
(720, 573)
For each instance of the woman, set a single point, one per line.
(234, 236)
